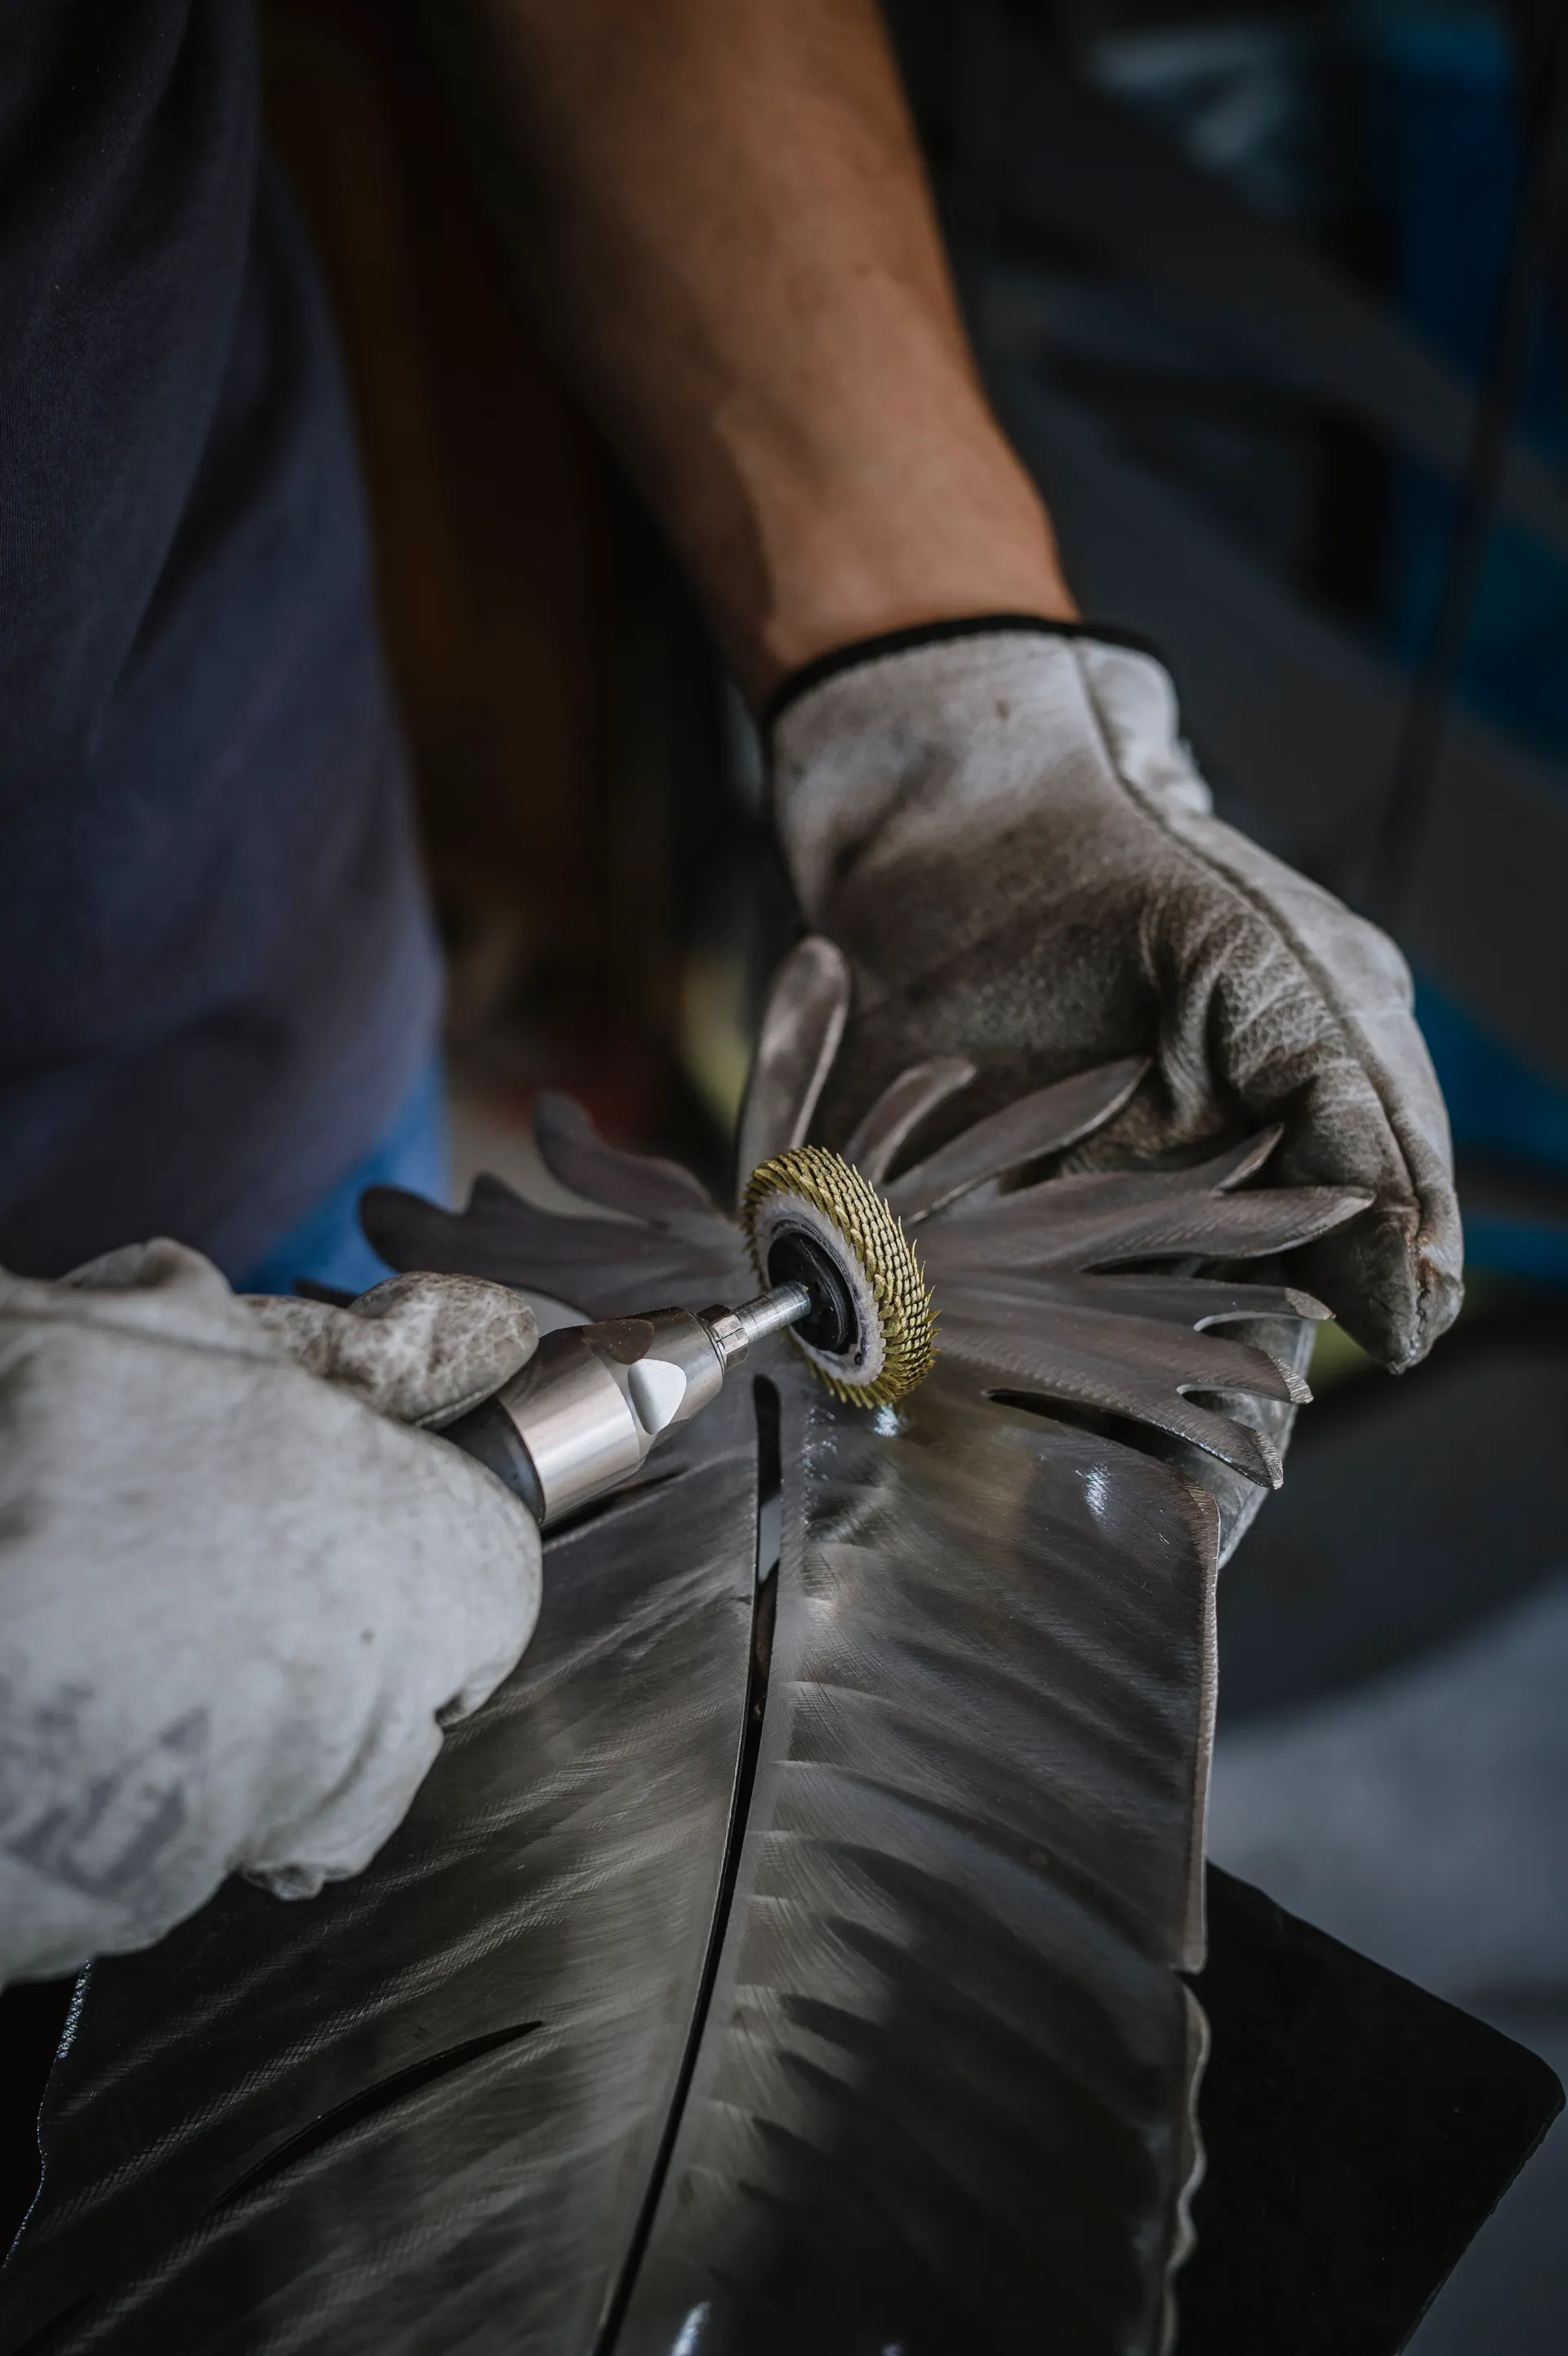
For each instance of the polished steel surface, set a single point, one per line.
(941, 2097)
(789, 1958)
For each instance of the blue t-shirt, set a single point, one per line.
(217, 977)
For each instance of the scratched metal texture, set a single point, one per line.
(781, 1964)
(420, 2112)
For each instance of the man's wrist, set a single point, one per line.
(860, 543)
(854, 652)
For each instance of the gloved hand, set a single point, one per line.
(1007, 835)
(239, 1596)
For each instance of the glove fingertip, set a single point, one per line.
(1440, 1299)
(1393, 1291)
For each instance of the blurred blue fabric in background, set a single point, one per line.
(1443, 102)
(327, 1245)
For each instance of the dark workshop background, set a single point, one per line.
(1274, 300)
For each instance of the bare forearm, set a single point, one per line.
(732, 223)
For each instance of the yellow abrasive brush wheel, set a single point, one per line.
(808, 1215)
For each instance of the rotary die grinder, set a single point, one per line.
(581, 1416)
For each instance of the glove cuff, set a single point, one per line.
(932, 633)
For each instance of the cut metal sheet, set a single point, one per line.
(790, 1956)
(875, 1144)
(801, 1027)
(1044, 1122)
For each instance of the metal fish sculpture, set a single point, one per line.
(792, 1955)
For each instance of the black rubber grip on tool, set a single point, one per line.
(831, 1324)
(487, 1433)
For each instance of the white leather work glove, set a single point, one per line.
(240, 1594)
(1005, 834)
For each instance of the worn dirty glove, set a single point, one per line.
(240, 1594)
(1005, 834)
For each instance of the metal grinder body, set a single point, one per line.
(581, 1417)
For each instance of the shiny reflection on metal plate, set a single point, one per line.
(790, 1955)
